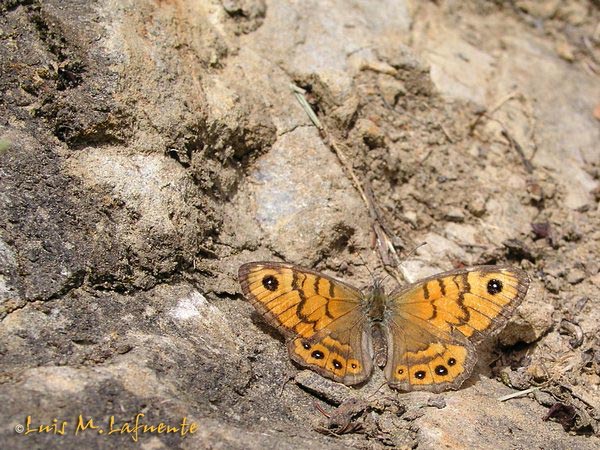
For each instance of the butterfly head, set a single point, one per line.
(378, 286)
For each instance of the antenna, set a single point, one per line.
(408, 255)
(414, 250)
(367, 267)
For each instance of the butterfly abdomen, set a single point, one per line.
(380, 348)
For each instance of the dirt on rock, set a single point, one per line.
(149, 148)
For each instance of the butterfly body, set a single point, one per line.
(376, 309)
(422, 334)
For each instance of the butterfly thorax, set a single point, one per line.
(376, 303)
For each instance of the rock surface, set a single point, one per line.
(148, 149)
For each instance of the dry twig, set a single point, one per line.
(385, 243)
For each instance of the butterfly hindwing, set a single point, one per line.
(422, 358)
(433, 324)
(322, 318)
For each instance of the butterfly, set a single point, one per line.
(423, 335)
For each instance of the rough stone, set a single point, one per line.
(533, 318)
(147, 149)
(519, 419)
(576, 275)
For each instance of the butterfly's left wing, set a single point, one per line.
(434, 323)
(322, 318)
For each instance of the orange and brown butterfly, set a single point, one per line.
(422, 334)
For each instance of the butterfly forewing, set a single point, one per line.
(322, 318)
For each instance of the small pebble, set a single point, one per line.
(438, 402)
(455, 215)
(391, 89)
(477, 206)
(566, 51)
(371, 133)
(576, 276)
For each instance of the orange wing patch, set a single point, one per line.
(438, 363)
(475, 302)
(293, 301)
(328, 354)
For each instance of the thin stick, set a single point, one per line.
(299, 94)
(503, 100)
(321, 410)
(385, 245)
(519, 394)
(342, 157)
(514, 144)
(493, 109)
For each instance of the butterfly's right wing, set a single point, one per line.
(322, 318)
(434, 324)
